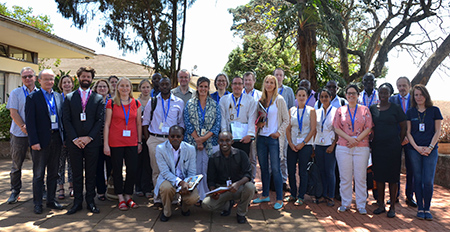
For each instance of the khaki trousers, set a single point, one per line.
(244, 195)
(152, 142)
(167, 192)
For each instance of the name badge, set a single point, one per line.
(299, 140)
(229, 183)
(165, 129)
(322, 140)
(83, 117)
(126, 133)
(161, 126)
(422, 127)
(231, 117)
(53, 118)
(203, 132)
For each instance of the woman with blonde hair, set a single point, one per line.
(271, 137)
(122, 140)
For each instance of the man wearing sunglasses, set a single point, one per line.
(19, 135)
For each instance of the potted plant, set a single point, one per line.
(444, 139)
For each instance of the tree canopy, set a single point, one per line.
(41, 22)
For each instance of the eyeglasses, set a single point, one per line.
(352, 93)
(102, 87)
(29, 77)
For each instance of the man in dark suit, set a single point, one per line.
(83, 120)
(43, 111)
(403, 99)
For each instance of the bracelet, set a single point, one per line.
(303, 142)
(140, 143)
(431, 147)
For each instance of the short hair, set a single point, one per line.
(61, 81)
(185, 71)
(405, 78)
(86, 69)
(388, 86)
(423, 89)
(27, 69)
(142, 82)
(301, 88)
(176, 127)
(201, 80)
(156, 75)
(49, 71)
(165, 79)
(352, 86)
(236, 77)
(94, 88)
(304, 80)
(111, 77)
(333, 81)
(226, 78)
(250, 73)
(369, 74)
(278, 69)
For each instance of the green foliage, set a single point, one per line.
(5, 122)
(41, 22)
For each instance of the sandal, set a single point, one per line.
(298, 202)
(101, 197)
(132, 204)
(71, 191)
(61, 195)
(123, 206)
(289, 198)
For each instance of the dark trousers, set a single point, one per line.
(46, 157)
(86, 158)
(100, 180)
(19, 148)
(301, 157)
(118, 155)
(409, 188)
(243, 146)
(144, 181)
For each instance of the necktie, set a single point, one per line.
(83, 98)
(404, 104)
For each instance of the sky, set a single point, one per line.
(209, 41)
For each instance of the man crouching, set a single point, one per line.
(176, 161)
(229, 167)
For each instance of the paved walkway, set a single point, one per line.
(309, 217)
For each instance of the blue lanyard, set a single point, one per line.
(371, 99)
(267, 111)
(25, 92)
(354, 116)
(217, 97)
(325, 118)
(300, 120)
(50, 104)
(164, 109)
(253, 92)
(203, 111)
(281, 91)
(127, 115)
(407, 102)
(64, 97)
(239, 104)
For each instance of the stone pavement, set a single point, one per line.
(309, 217)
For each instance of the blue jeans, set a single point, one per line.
(424, 168)
(266, 146)
(327, 165)
(302, 157)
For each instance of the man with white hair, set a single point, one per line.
(183, 91)
(43, 114)
(19, 133)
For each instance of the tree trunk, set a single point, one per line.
(307, 44)
(173, 55)
(424, 74)
(183, 28)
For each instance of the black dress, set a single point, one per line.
(386, 145)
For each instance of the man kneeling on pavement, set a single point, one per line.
(176, 161)
(229, 167)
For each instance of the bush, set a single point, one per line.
(445, 130)
(5, 122)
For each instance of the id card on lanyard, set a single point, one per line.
(126, 132)
(165, 129)
(83, 105)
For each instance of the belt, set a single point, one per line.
(54, 131)
(158, 135)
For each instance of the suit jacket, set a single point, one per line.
(37, 118)
(73, 125)
(166, 163)
(394, 99)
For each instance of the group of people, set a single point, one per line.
(168, 135)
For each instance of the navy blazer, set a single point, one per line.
(37, 118)
(394, 99)
(73, 125)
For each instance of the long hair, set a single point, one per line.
(264, 91)
(61, 82)
(201, 80)
(423, 89)
(116, 91)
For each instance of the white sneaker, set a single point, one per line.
(342, 208)
(362, 211)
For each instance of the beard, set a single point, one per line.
(85, 84)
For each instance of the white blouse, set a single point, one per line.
(325, 134)
(272, 121)
(297, 137)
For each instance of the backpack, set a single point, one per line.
(315, 187)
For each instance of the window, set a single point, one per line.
(3, 50)
(17, 53)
